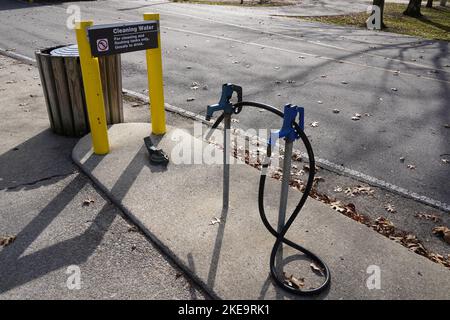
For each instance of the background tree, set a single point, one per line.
(413, 9)
(380, 3)
(429, 4)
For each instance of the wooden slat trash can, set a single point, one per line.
(62, 83)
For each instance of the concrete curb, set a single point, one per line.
(326, 164)
(164, 249)
(182, 231)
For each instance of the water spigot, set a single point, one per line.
(224, 104)
(287, 130)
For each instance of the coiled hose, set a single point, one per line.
(280, 236)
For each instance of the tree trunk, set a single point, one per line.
(443, 3)
(380, 3)
(413, 9)
(429, 4)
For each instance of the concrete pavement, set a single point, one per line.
(175, 207)
(43, 204)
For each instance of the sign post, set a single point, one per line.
(93, 90)
(109, 39)
(155, 82)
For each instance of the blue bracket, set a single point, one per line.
(224, 104)
(287, 130)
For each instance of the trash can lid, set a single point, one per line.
(67, 51)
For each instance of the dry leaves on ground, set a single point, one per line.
(316, 268)
(6, 240)
(390, 208)
(314, 124)
(443, 232)
(427, 216)
(294, 282)
(383, 226)
(353, 191)
(88, 202)
(214, 221)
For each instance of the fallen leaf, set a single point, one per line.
(390, 208)
(336, 111)
(338, 189)
(394, 89)
(296, 156)
(316, 268)
(88, 201)
(445, 160)
(383, 226)
(353, 191)
(235, 120)
(293, 281)
(6, 240)
(411, 166)
(214, 221)
(338, 206)
(133, 229)
(319, 102)
(443, 232)
(344, 82)
(314, 124)
(402, 159)
(427, 216)
(194, 86)
(190, 99)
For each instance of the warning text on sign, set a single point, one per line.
(121, 38)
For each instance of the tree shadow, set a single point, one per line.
(426, 20)
(41, 160)
(17, 269)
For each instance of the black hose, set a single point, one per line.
(280, 236)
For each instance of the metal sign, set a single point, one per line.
(119, 38)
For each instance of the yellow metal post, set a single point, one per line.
(155, 83)
(93, 90)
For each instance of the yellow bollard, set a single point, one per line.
(93, 90)
(155, 83)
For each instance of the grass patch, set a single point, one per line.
(435, 23)
(247, 3)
